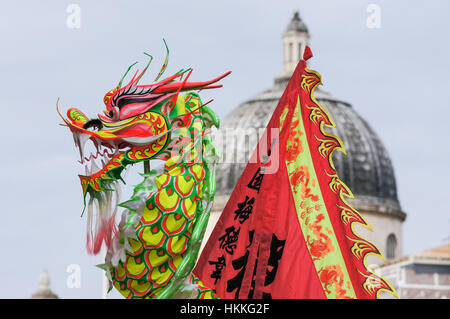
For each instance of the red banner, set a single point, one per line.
(286, 231)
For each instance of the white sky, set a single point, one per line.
(396, 77)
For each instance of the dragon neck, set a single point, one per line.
(167, 214)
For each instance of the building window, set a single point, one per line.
(290, 52)
(391, 246)
(300, 51)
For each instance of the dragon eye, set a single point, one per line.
(114, 113)
(95, 123)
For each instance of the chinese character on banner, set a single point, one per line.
(276, 252)
(229, 239)
(219, 264)
(255, 182)
(244, 209)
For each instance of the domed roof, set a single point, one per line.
(44, 291)
(296, 24)
(366, 169)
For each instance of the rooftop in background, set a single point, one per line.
(296, 24)
(437, 256)
(44, 291)
(424, 275)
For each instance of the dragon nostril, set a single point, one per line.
(95, 123)
(111, 114)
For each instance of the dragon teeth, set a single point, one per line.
(83, 139)
(80, 140)
(94, 167)
(101, 154)
(97, 144)
(75, 140)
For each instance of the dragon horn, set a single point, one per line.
(184, 86)
(166, 61)
(123, 77)
(145, 69)
(135, 79)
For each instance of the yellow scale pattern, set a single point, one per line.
(163, 232)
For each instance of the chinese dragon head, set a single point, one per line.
(152, 251)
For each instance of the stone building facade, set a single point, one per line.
(425, 275)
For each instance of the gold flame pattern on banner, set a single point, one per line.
(360, 248)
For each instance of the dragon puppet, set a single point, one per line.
(153, 249)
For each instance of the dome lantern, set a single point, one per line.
(295, 39)
(44, 291)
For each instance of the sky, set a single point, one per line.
(395, 76)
